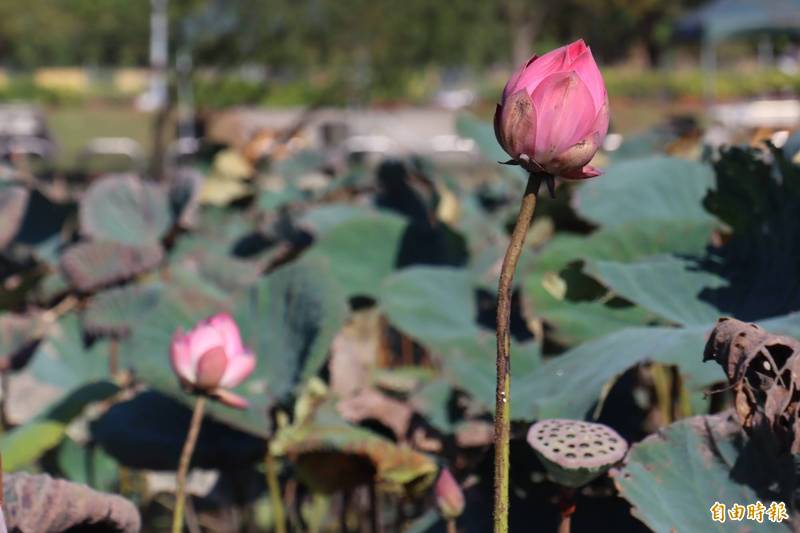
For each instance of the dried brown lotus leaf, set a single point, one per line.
(764, 373)
(796, 444)
(45, 505)
(92, 265)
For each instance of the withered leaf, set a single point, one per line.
(41, 504)
(91, 265)
(762, 370)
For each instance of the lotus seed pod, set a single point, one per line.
(575, 452)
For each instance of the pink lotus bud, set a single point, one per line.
(449, 497)
(553, 114)
(211, 358)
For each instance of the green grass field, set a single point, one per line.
(73, 127)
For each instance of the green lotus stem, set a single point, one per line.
(183, 465)
(502, 421)
(279, 517)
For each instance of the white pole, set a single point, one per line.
(709, 63)
(159, 53)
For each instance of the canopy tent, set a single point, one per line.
(722, 19)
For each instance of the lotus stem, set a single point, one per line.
(451, 525)
(279, 517)
(374, 508)
(343, 511)
(502, 421)
(3, 528)
(5, 385)
(565, 523)
(566, 507)
(183, 465)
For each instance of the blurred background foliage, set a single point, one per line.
(339, 51)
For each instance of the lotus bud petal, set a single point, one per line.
(553, 114)
(449, 497)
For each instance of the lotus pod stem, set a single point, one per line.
(566, 508)
(270, 467)
(451, 526)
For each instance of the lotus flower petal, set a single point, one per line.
(210, 368)
(574, 51)
(211, 356)
(513, 82)
(181, 357)
(518, 122)
(562, 124)
(203, 338)
(582, 173)
(537, 71)
(229, 331)
(239, 368)
(575, 157)
(587, 69)
(601, 121)
(230, 399)
(565, 112)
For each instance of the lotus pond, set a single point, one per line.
(367, 295)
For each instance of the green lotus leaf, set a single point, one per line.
(87, 464)
(288, 319)
(558, 290)
(569, 385)
(673, 478)
(64, 358)
(431, 303)
(361, 252)
(115, 312)
(652, 188)
(211, 259)
(25, 444)
(126, 209)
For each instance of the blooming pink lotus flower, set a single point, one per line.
(211, 358)
(553, 114)
(449, 497)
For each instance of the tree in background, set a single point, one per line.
(613, 27)
(72, 32)
(378, 42)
